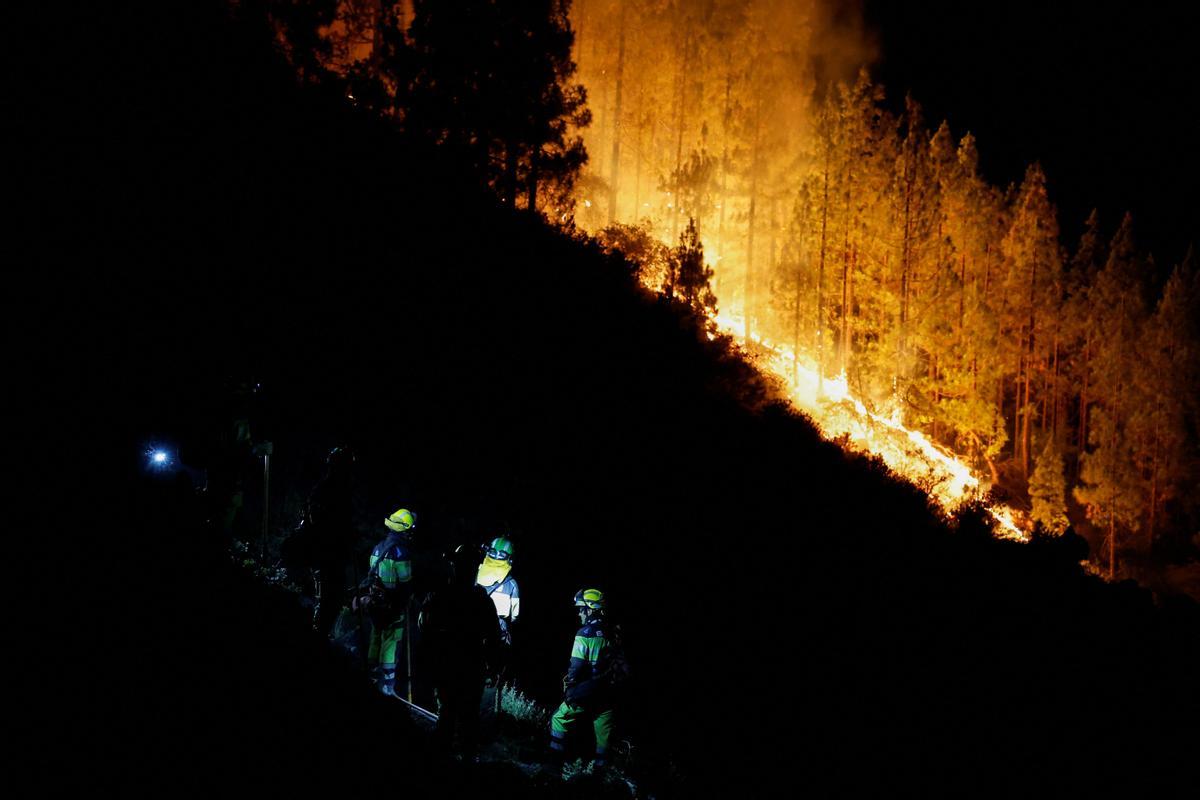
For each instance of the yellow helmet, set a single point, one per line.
(401, 520)
(592, 599)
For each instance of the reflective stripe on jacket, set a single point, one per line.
(506, 596)
(391, 561)
(589, 655)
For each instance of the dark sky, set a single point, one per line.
(1104, 95)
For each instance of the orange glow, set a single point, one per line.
(714, 118)
(840, 416)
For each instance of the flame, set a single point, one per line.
(654, 115)
(842, 417)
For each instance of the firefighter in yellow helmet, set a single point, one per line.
(596, 669)
(385, 595)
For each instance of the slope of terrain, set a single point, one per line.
(795, 615)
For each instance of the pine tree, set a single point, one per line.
(1111, 484)
(913, 195)
(860, 169)
(794, 298)
(1165, 378)
(967, 371)
(494, 82)
(1032, 295)
(693, 281)
(694, 185)
(1048, 489)
(1078, 329)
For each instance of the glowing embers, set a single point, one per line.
(842, 417)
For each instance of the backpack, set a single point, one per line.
(380, 605)
(616, 672)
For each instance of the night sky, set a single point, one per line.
(1104, 95)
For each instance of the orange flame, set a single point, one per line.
(842, 417)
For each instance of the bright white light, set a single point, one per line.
(159, 457)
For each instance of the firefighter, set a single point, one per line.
(588, 687)
(495, 576)
(330, 513)
(384, 596)
(460, 635)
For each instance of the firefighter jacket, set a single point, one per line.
(391, 572)
(588, 676)
(506, 597)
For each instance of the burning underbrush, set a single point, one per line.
(839, 415)
(845, 419)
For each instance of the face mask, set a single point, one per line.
(492, 571)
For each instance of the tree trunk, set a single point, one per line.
(987, 269)
(681, 120)
(1083, 406)
(774, 224)
(637, 162)
(848, 302)
(905, 244)
(1153, 517)
(614, 168)
(934, 395)
(1027, 414)
(1054, 393)
(1112, 538)
(749, 288)
(1027, 410)
(821, 275)
(724, 169)
(600, 115)
(1017, 436)
(1112, 478)
(844, 342)
(983, 454)
(580, 27)
(796, 318)
(1000, 401)
(962, 298)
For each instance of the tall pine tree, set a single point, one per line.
(1048, 489)
(1111, 484)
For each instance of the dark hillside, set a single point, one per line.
(796, 617)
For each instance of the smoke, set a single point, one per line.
(841, 44)
(701, 110)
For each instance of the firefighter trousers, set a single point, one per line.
(385, 650)
(570, 717)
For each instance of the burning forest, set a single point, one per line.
(915, 310)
